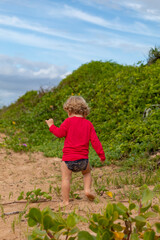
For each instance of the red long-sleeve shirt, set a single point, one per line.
(78, 132)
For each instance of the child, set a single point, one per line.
(78, 132)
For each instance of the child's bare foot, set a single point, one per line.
(64, 204)
(90, 196)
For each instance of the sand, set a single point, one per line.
(28, 171)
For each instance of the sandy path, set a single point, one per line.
(27, 171)
(24, 172)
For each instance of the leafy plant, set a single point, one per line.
(153, 55)
(74, 195)
(34, 195)
(121, 222)
(51, 225)
(116, 222)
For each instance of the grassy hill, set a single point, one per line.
(125, 110)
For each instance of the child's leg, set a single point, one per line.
(88, 182)
(66, 177)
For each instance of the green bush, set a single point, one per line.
(125, 110)
(114, 223)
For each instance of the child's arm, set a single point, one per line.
(49, 122)
(96, 144)
(58, 132)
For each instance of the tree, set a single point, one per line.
(153, 55)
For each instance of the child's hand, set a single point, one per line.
(49, 122)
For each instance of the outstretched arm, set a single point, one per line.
(58, 132)
(49, 122)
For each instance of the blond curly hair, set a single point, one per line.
(76, 105)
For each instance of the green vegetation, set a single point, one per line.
(34, 195)
(125, 110)
(116, 222)
(154, 55)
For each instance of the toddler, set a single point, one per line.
(78, 132)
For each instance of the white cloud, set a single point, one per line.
(142, 4)
(36, 41)
(16, 22)
(70, 12)
(113, 40)
(8, 96)
(135, 27)
(10, 66)
(135, 6)
(91, 48)
(18, 75)
(75, 13)
(142, 9)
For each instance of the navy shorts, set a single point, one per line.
(78, 165)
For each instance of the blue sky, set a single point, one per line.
(41, 41)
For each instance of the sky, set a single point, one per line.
(42, 41)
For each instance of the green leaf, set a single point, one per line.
(28, 193)
(37, 191)
(46, 238)
(31, 222)
(103, 221)
(156, 208)
(157, 227)
(93, 227)
(140, 222)
(132, 206)
(84, 235)
(47, 196)
(71, 221)
(39, 232)
(150, 214)
(48, 222)
(140, 219)
(134, 236)
(144, 209)
(117, 227)
(30, 237)
(149, 235)
(48, 211)
(109, 210)
(147, 195)
(34, 217)
(107, 236)
(57, 226)
(20, 198)
(121, 209)
(74, 230)
(115, 216)
(120, 205)
(95, 217)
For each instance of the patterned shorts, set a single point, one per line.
(78, 165)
